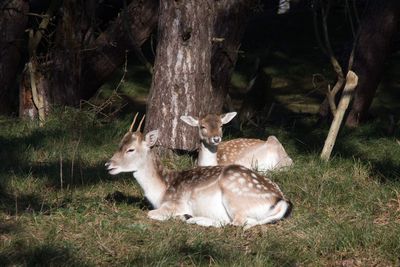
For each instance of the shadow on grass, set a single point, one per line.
(14, 149)
(21, 254)
(17, 159)
(119, 197)
(8, 227)
(21, 202)
(386, 170)
(182, 253)
(28, 203)
(383, 167)
(205, 253)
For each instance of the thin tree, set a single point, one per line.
(351, 83)
(13, 22)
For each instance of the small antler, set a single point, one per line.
(141, 121)
(133, 123)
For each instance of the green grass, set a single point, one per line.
(346, 211)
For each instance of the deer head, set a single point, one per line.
(132, 151)
(210, 126)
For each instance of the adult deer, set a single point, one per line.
(208, 196)
(251, 153)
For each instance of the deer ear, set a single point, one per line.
(151, 138)
(192, 121)
(227, 117)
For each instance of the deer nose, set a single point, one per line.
(216, 139)
(107, 164)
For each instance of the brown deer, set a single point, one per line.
(252, 153)
(208, 196)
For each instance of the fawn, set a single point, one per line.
(251, 153)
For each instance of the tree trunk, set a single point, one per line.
(110, 47)
(55, 77)
(374, 45)
(229, 27)
(196, 52)
(13, 21)
(77, 65)
(182, 73)
(64, 74)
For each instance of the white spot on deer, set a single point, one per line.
(242, 180)
(267, 195)
(253, 175)
(231, 186)
(235, 190)
(237, 175)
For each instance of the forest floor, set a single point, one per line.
(60, 207)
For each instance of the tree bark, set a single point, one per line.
(108, 51)
(182, 73)
(64, 74)
(13, 21)
(374, 45)
(196, 54)
(229, 27)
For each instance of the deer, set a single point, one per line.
(252, 153)
(211, 196)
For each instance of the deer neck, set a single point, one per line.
(207, 155)
(151, 181)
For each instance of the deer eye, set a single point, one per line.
(202, 127)
(130, 150)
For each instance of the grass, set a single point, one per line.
(59, 207)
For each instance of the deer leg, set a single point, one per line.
(160, 214)
(237, 219)
(204, 221)
(169, 210)
(166, 211)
